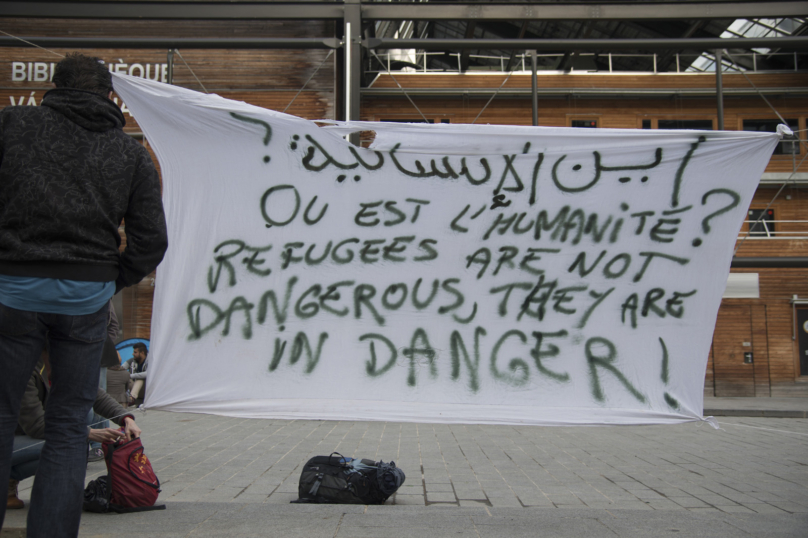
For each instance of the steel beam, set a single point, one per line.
(583, 45)
(769, 263)
(585, 92)
(404, 11)
(579, 11)
(176, 43)
(173, 10)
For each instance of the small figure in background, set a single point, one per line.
(137, 366)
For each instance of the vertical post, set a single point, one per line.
(654, 63)
(534, 87)
(610, 62)
(353, 58)
(719, 88)
(171, 66)
(348, 71)
(677, 62)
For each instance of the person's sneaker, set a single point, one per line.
(95, 454)
(13, 503)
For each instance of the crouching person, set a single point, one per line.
(30, 433)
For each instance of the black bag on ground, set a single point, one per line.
(339, 480)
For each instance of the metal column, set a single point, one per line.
(353, 58)
(171, 66)
(719, 88)
(352, 50)
(535, 88)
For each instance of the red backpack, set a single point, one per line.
(130, 486)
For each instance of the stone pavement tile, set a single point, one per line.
(648, 495)
(766, 509)
(469, 493)
(716, 500)
(535, 500)
(190, 494)
(414, 487)
(467, 503)
(788, 506)
(402, 518)
(736, 509)
(281, 497)
(630, 505)
(704, 510)
(439, 487)
(771, 525)
(275, 525)
(664, 504)
(671, 492)
(540, 522)
(251, 498)
(505, 502)
(262, 487)
(417, 500)
(689, 502)
(403, 532)
(564, 499)
(639, 526)
(765, 496)
(440, 497)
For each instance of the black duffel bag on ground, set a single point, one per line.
(339, 480)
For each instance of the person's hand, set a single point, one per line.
(105, 435)
(132, 430)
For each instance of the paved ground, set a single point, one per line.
(227, 477)
(757, 407)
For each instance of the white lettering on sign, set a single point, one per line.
(31, 101)
(43, 71)
(21, 101)
(17, 71)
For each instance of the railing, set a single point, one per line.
(421, 58)
(774, 229)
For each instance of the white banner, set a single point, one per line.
(450, 273)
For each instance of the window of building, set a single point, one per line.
(699, 125)
(646, 124)
(788, 146)
(761, 222)
(587, 124)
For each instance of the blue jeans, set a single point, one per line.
(76, 343)
(25, 459)
(97, 421)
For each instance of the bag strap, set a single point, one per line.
(316, 485)
(108, 460)
(136, 477)
(127, 510)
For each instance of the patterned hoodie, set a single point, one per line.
(68, 177)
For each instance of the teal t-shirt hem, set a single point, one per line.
(54, 295)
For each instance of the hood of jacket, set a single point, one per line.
(87, 109)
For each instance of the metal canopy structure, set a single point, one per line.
(470, 35)
(480, 10)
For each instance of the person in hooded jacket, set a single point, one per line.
(69, 176)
